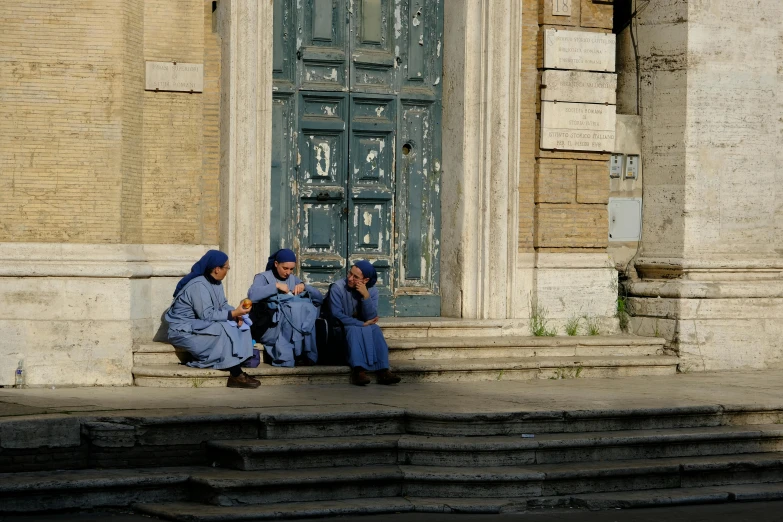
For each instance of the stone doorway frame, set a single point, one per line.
(481, 150)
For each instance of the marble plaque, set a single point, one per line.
(578, 126)
(579, 50)
(179, 77)
(562, 7)
(579, 86)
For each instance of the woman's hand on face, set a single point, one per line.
(371, 321)
(282, 288)
(298, 289)
(362, 289)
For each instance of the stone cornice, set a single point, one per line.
(99, 261)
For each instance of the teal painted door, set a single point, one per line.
(357, 141)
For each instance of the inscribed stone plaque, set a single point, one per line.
(179, 77)
(579, 86)
(580, 50)
(577, 126)
(562, 7)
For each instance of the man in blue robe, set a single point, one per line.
(290, 340)
(202, 322)
(353, 301)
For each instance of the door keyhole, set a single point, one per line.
(406, 149)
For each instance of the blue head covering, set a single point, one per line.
(205, 265)
(367, 271)
(281, 256)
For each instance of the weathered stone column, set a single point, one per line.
(246, 128)
(483, 41)
(710, 264)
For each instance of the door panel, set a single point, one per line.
(284, 38)
(421, 45)
(373, 61)
(323, 151)
(417, 186)
(356, 144)
(283, 191)
(322, 46)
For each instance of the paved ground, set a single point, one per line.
(761, 389)
(751, 512)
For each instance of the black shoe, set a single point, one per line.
(251, 378)
(359, 377)
(242, 381)
(387, 377)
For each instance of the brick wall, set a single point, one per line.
(174, 199)
(86, 155)
(566, 192)
(63, 169)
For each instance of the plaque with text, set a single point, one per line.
(579, 86)
(175, 77)
(562, 7)
(578, 126)
(579, 50)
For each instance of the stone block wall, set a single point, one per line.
(571, 189)
(563, 221)
(86, 154)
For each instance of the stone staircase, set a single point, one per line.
(304, 464)
(443, 350)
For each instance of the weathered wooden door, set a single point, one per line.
(357, 141)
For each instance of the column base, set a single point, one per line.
(713, 325)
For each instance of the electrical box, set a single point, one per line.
(632, 166)
(625, 219)
(616, 165)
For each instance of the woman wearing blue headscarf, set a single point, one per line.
(202, 322)
(290, 340)
(353, 301)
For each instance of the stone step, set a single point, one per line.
(193, 512)
(165, 491)
(407, 327)
(545, 448)
(231, 488)
(90, 488)
(421, 370)
(483, 347)
(523, 346)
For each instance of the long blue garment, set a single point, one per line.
(366, 346)
(293, 334)
(198, 323)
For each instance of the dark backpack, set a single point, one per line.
(330, 337)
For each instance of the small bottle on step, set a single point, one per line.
(19, 375)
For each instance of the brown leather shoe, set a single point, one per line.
(251, 378)
(359, 377)
(387, 377)
(242, 382)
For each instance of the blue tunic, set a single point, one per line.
(293, 333)
(366, 346)
(198, 323)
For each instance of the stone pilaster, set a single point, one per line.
(481, 147)
(246, 143)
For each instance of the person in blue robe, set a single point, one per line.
(290, 340)
(353, 301)
(202, 322)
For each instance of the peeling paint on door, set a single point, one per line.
(357, 142)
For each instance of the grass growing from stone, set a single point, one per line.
(593, 328)
(572, 326)
(539, 325)
(622, 314)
